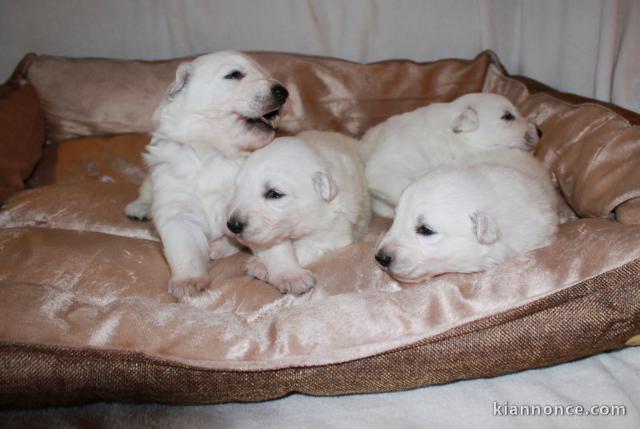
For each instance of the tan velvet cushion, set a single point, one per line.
(596, 169)
(85, 286)
(71, 287)
(85, 97)
(592, 151)
(67, 206)
(22, 135)
(629, 212)
(88, 316)
(107, 159)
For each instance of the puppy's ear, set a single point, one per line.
(485, 228)
(182, 78)
(324, 184)
(467, 121)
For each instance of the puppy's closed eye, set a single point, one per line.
(424, 230)
(272, 194)
(235, 75)
(508, 116)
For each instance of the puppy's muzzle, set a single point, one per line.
(235, 225)
(533, 135)
(383, 258)
(279, 93)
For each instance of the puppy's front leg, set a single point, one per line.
(223, 247)
(140, 209)
(185, 247)
(278, 266)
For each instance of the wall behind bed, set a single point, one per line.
(590, 47)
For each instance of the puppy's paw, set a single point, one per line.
(190, 286)
(137, 210)
(294, 282)
(221, 248)
(254, 267)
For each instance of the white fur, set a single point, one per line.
(205, 127)
(324, 205)
(491, 208)
(407, 146)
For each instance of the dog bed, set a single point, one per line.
(86, 315)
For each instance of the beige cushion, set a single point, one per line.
(592, 151)
(107, 159)
(629, 212)
(85, 97)
(95, 282)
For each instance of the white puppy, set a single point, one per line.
(405, 147)
(470, 217)
(297, 199)
(221, 107)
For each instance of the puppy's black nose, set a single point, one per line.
(383, 259)
(235, 225)
(279, 92)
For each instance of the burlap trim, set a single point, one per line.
(592, 316)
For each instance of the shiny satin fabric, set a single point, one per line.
(629, 212)
(86, 206)
(74, 271)
(337, 95)
(106, 159)
(70, 286)
(87, 97)
(592, 151)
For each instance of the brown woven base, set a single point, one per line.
(593, 316)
